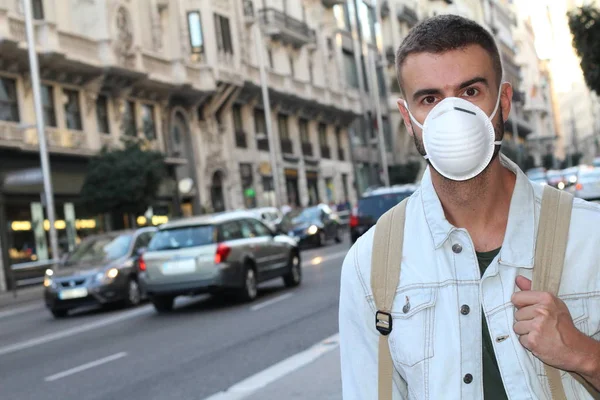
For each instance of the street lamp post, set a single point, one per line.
(39, 116)
(267, 107)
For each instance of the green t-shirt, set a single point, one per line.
(493, 388)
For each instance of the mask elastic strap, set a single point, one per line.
(411, 116)
(497, 101)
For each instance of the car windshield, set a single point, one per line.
(182, 237)
(375, 206)
(302, 215)
(100, 248)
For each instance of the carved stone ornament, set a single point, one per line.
(123, 39)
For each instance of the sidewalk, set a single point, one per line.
(24, 296)
(320, 380)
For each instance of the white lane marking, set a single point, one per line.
(74, 331)
(321, 259)
(84, 367)
(21, 310)
(256, 382)
(271, 301)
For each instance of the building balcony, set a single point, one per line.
(407, 15)
(307, 149)
(325, 152)
(331, 3)
(287, 146)
(285, 29)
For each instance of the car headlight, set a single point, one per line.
(47, 281)
(108, 276)
(313, 229)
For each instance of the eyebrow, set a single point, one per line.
(429, 92)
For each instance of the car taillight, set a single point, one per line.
(141, 263)
(354, 218)
(579, 186)
(222, 253)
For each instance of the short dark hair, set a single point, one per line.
(444, 33)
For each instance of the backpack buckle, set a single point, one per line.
(383, 322)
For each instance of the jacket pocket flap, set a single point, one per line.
(410, 301)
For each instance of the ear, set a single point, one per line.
(506, 99)
(405, 116)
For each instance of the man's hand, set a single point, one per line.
(546, 329)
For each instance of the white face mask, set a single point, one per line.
(458, 137)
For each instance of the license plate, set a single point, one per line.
(73, 293)
(179, 267)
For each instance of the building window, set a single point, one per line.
(195, 32)
(9, 101)
(129, 126)
(102, 123)
(260, 129)
(72, 110)
(282, 124)
(340, 147)
(325, 150)
(311, 76)
(292, 72)
(238, 125)
(350, 69)
(270, 54)
(224, 42)
(149, 125)
(48, 106)
(303, 128)
(342, 16)
(38, 9)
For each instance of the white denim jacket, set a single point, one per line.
(433, 345)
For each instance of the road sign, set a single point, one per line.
(24, 177)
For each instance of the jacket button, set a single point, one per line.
(468, 378)
(457, 248)
(465, 309)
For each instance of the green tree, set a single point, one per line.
(585, 27)
(123, 181)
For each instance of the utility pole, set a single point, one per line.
(258, 40)
(39, 116)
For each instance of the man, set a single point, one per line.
(466, 324)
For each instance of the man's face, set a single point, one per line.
(467, 73)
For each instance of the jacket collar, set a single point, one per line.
(518, 247)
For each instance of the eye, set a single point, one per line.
(470, 92)
(429, 100)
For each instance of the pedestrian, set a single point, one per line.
(464, 322)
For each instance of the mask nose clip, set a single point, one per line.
(465, 111)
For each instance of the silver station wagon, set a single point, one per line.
(227, 252)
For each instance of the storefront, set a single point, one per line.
(312, 183)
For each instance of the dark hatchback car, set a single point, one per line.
(373, 205)
(312, 225)
(101, 270)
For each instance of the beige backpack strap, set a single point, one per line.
(551, 246)
(385, 276)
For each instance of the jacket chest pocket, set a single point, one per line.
(412, 333)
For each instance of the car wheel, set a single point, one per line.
(163, 304)
(249, 291)
(294, 277)
(134, 294)
(58, 314)
(338, 238)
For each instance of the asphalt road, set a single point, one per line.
(205, 346)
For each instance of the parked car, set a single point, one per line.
(216, 253)
(101, 270)
(373, 205)
(312, 225)
(556, 179)
(270, 216)
(588, 184)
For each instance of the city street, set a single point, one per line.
(204, 347)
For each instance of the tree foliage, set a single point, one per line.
(124, 180)
(584, 23)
